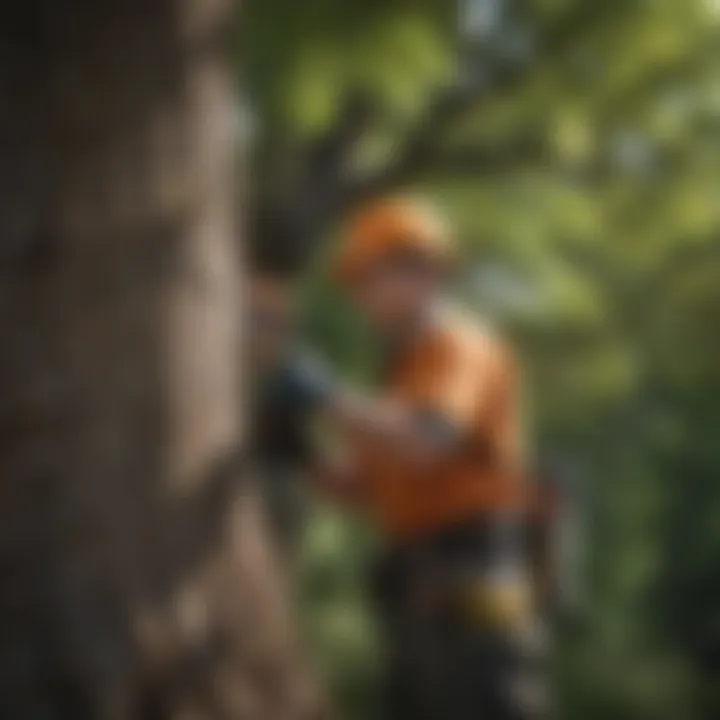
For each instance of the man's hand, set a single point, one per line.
(304, 384)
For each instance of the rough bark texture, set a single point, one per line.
(135, 581)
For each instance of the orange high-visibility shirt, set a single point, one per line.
(463, 375)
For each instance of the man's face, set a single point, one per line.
(271, 320)
(395, 294)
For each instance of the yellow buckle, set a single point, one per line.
(504, 603)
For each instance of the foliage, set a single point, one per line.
(582, 179)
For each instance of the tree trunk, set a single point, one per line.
(135, 580)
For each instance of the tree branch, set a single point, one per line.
(419, 155)
(288, 220)
(464, 161)
(326, 186)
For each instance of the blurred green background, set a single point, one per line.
(583, 183)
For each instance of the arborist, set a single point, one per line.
(437, 460)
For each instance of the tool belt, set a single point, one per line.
(472, 573)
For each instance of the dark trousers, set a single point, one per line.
(450, 656)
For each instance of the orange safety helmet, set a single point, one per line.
(388, 227)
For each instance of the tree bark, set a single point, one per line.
(135, 578)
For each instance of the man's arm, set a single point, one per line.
(447, 395)
(413, 434)
(445, 398)
(307, 388)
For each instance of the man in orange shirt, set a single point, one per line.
(437, 458)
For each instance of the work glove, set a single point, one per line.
(303, 384)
